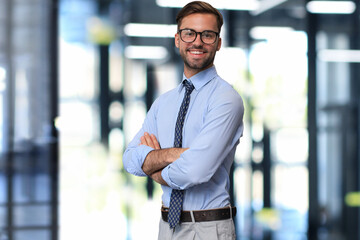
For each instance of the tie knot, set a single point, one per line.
(189, 87)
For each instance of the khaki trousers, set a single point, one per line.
(214, 230)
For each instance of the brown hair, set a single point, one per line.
(199, 7)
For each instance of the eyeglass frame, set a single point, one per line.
(196, 34)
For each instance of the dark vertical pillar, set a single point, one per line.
(267, 169)
(247, 19)
(54, 146)
(104, 98)
(346, 223)
(9, 119)
(355, 99)
(149, 98)
(313, 220)
(231, 16)
(230, 26)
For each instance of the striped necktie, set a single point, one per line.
(176, 197)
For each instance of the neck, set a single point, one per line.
(190, 72)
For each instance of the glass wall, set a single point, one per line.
(28, 143)
(278, 179)
(295, 87)
(337, 121)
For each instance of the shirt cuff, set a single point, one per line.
(166, 177)
(142, 152)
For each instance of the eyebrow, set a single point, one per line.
(197, 31)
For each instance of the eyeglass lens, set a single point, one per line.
(189, 35)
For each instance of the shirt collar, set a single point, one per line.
(200, 79)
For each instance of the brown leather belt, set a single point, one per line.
(202, 215)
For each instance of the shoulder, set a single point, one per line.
(222, 92)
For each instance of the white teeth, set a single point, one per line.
(196, 52)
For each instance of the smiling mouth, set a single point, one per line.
(196, 51)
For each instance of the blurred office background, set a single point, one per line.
(76, 80)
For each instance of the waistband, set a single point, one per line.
(202, 215)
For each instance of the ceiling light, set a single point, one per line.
(146, 52)
(150, 30)
(337, 55)
(331, 7)
(266, 5)
(223, 4)
(263, 32)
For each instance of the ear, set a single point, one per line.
(177, 40)
(218, 44)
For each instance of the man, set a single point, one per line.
(188, 139)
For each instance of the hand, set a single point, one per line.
(156, 176)
(149, 140)
(158, 158)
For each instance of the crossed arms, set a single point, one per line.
(211, 137)
(159, 158)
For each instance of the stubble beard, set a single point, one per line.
(197, 65)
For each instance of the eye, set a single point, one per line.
(188, 33)
(208, 34)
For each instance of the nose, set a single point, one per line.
(198, 39)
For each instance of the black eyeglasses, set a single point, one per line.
(189, 36)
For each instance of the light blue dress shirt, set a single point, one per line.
(212, 129)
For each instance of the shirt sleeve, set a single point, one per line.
(219, 135)
(135, 154)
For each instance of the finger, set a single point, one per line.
(155, 141)
(148, 140)
(142, 141)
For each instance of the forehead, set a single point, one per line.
(200, 22)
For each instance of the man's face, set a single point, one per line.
(197, 55)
